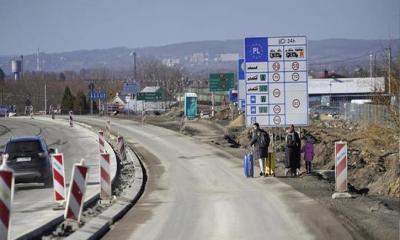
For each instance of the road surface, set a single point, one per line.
(196, 191)
(33, 203)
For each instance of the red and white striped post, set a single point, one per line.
(341, 170)
(108, 129)
(6, 198)
(76, 193)
(57, 160)
(121, 147)
(101, 142)
(105, 176)
(341, 166)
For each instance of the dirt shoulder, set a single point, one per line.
(366, 216)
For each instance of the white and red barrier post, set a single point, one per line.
(6, 198)
(101, 142)
(121, 147)
(108, 129)
(341, 170)
(76, 194)
(57, 161)
(105, 176)
(71, 119)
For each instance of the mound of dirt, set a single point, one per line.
(373, 154)
(238, 122)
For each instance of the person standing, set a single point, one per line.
(308, 150)
(292, 151)
(260, 142)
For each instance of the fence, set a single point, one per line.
(367, 113)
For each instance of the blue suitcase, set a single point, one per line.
(248, 165)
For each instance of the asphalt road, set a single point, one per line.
(33, 204)
(196, 191)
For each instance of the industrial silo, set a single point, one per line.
(16, 68)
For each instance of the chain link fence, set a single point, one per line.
(366, 113)
(352, 108)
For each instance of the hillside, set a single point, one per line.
(205, 55)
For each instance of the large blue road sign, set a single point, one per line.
(131, 88)
(97, 95)
(276, 81)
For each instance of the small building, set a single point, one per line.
(335, 91)
(117, 104)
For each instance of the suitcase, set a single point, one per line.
(270, 164)
(248, 165)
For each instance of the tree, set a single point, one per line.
(80, 104)
(61, 77)
(2, 75)
(67, 102)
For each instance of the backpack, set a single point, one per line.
(263, 139)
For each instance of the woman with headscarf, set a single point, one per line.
(292, 151)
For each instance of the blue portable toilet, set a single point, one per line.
(190, 105)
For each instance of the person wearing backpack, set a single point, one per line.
(260, 142)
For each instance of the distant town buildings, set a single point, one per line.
(201, 58)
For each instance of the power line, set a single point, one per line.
(347, 60)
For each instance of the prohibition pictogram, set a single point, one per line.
(295, 66)
(276, 77)
(276, 66)
(277, 120)
(276, 92)
(277, 109)
(295, 76)
(296, 103)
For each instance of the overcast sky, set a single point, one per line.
(58, 26)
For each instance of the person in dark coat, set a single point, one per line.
(260, 142)
(292, 151)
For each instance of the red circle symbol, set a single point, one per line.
(295, 66)
(296, 103)
(276, 77)
(295, 76)
(276, 92)
(276, 66)
(277, 120)
(277, 109)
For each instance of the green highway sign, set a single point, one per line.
(149, 96)
(221, 82)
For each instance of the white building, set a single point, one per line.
(227, 57)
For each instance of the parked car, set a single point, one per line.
(205, 114)
(327, 110)
(3, 111)
(29, 157)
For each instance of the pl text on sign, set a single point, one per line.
(276, 81)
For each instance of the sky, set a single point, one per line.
(67, 25)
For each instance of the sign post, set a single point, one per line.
(276, 81)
